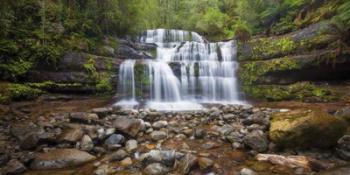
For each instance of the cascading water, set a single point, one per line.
(188, 70)
(127, 84)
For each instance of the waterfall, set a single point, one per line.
(126, 83)
(188, 70)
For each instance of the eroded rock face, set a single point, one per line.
(60, 158)
(298, 129)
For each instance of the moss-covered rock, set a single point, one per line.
(306, 129)
(17, 92)
(303, 91)
(299, 42)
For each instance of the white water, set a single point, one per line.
(127, 84)
(207, 71)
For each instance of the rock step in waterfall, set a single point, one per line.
(206, 72)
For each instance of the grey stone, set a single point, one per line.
(158, 135)
(257, 141)
(131, 145)
(127, 125)
(160, 124)
(156, 169)
(114, 139)
(60, 158)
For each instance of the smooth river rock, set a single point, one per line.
(61, 158)
(127, 125)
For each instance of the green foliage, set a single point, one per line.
(303, 91)
(17, 92)
(241, 30)
(252, 71)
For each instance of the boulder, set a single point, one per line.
(127, 125)
(60, 158)
(14, 167)
(28, 135)
(298, 129)
(257, 141)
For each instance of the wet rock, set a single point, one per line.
(298, 129)
(187, 163)
(131, 146)
(126, 162)
(83, 117)
(156, 169)
(158, 135)
(104, 170)
(257, 141)
(199, 133)
(71, 135)
(102, 112)
(343, 148)
(188, 132)
(229, 117)
(205, 163)
(247, 171)
(14, 167)
(210, 145)
(166, 157)
(114, 141)
(127, 125)
(86, 143)
(234, 137)
(60, 158)
(226, 129)
(27, 134)
(160, 124)
(118, 155)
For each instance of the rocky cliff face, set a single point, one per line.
(79, 72)
(288, 66)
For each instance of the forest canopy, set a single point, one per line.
(37, 32)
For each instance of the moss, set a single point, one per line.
(303, 91)
(271, 47)
(153, 52)
(49, 85)
(298, 129)
(252, 71)
(104, 85)
(100, 80)
(17, 92)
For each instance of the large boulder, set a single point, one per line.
(305, 129)
(61, 158)
(127, 125)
